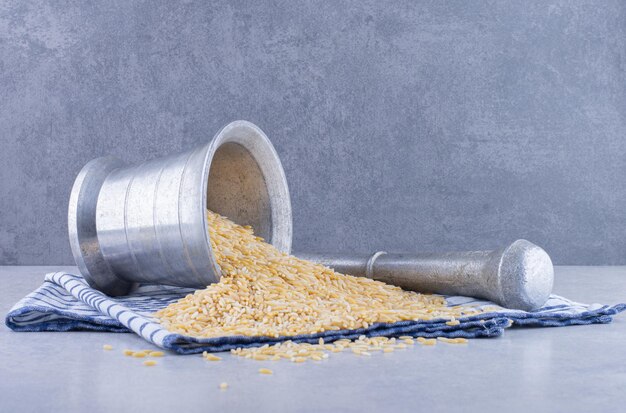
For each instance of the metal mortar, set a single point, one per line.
(147, 222)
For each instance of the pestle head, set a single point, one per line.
(526, 276)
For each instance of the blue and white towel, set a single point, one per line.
(65, 302)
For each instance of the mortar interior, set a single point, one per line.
(237, 189)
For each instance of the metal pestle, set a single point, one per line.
(519, 276)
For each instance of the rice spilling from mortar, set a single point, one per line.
(264, 292)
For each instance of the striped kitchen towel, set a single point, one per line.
(65, 302)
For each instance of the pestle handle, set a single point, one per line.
(519, 276)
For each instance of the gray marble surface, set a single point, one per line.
(572, 369)
(414, 125)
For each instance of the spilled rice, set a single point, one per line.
(264, 292)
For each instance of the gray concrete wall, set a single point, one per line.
(402, 126)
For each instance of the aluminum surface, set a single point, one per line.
(519, 276)
(147, 222)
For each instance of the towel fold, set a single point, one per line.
(65, 302)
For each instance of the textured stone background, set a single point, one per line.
(402, 126)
